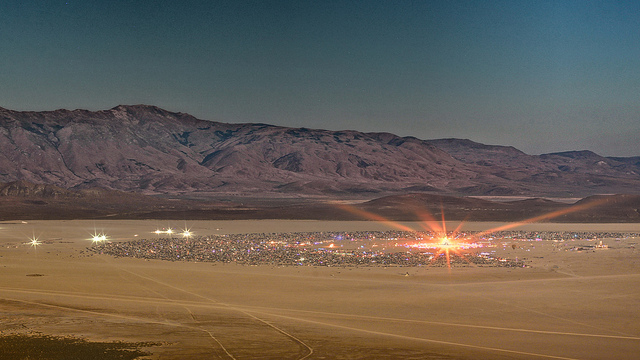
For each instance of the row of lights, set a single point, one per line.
(186, 233)
(102, 237)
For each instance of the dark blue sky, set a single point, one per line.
(542, 76)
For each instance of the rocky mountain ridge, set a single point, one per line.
(149, 150)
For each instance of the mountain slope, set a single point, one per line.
(150, 150)
(145, 148)
(572, 172)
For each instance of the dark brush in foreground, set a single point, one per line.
(41, 346)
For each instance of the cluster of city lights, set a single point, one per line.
(186, 233)
(446, 245)
(444, 242)
(97, 237)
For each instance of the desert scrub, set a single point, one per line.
(40, 346)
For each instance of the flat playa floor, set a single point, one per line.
(567, 305)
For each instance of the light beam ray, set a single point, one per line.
(455, 231)
(547, 216)
(429, 222)
(374, 217)
(444, 225)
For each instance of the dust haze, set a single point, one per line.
(575, 298)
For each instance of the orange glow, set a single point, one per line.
(445, 243)
(429, 222)
(444, 226)
(442, 242)
(548, 216)
(457, 229)
(374, 217)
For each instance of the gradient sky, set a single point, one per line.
(543, 76)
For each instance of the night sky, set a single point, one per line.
(543, 76)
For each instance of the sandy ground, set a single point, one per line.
(567, 305)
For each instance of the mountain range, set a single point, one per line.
(148, 150)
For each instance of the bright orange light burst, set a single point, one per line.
(375, 217)
(444, 244)
(447, 243)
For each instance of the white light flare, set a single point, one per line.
(168, 231)
(98, 237)
(34, 242)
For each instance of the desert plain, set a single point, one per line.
(569, 302)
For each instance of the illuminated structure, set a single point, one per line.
(34, 242)
(98, 237)
(168, 231)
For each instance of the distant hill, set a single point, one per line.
(22, 200)
(420, 207)
(149, 150)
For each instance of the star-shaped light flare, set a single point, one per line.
(34, 242)
(98, 237)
